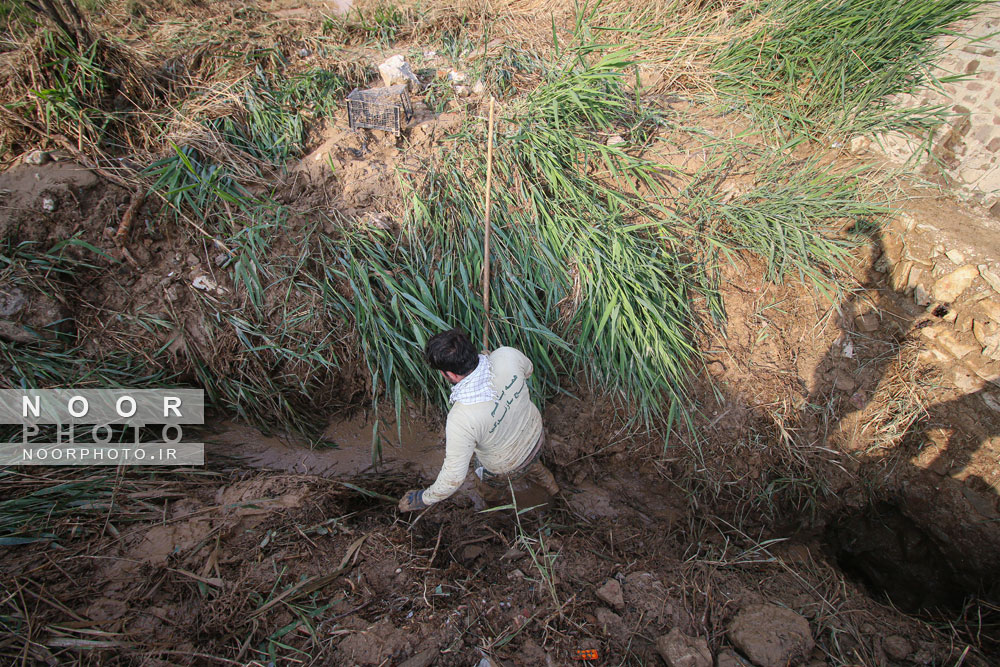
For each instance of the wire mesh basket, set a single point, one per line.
(379, 108)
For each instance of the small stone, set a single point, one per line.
(15, 333)
(992, 350)
(963, 323)
(611, 593)
(380, 221)
(843, 382)
(37, 158)
(995, 210)
(221, 258)
(991, 309)
(953, 345)
(991, 400)
(727, 658)
(206, 284)
(982, 331)
(868, 322)
(771, 636)
(462, 91)
(858, 399)
(931, 332)
(680, 650)
(896, 647)
(920, 296)
(610, 622)
(12, 300)
(892, 246)
(932, 356)
(478, 88)
(304, 53)
(615, 140)
(939, 466)
(859, 145)
(49, 204)
(950, 286)
(990, 277)
(955, 256)
(396, 70)
(425, 658)
(990, 372)
(456, 77)
(966, 381)
(913, 279)
(192, 259)
(900, 275)
(471, 552)
(971, 176)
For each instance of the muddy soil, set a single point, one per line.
(792, 500)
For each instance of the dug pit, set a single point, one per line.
(897, 558)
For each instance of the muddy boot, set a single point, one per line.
(540, 475)
(491, 495)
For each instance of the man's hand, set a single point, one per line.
(412, 501)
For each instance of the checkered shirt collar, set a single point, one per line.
(477, 386)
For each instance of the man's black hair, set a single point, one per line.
(452, 351)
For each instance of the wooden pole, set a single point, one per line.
(486, 236)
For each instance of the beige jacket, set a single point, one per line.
(501, 433)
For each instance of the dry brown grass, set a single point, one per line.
(899, 402)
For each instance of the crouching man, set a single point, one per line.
(492, 418)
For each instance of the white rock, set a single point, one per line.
(37, 158)
(49, 204)
(478, 88)
(396, 70)
(680, 650)
(950, 287)
(206, 284)
(957, 347)
(430, 54)
(992, 310)
(456, 76)
(992, 278)
(920, 296)
(615, 140)
(955, 256)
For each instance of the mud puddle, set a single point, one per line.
(416, 451)
(346, 451)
